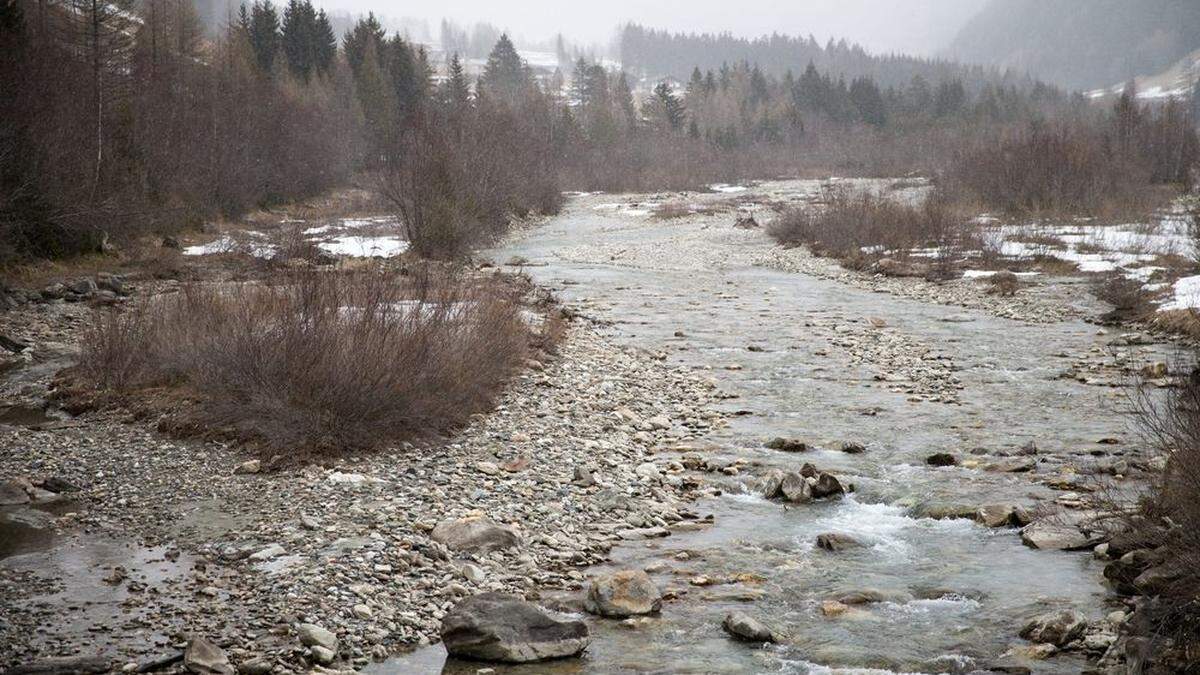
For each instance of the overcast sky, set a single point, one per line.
(911, 26)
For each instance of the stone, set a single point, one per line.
(474, 534)
(1056, 628)
(249, 467)
(786, 445)
(12, 493)
(648, 470)
(795, 488)
(1157, 580)
(255, 666)
(312, 635)
(852, 448)
(833, 541)
(622, 594)
(944, 511)
(272, 551)
(771, 484)
(1013, 465)
(362, 611)
(827, 485)
(744, 627)
(202, 656)
(582, 477)
(504, 628)
(1045, 534)
(64, 665)
(996, 515)
(941, 459)
(322, 655)
(473, 573)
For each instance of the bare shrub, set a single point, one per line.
(319, 362)
(1129, 298)
(1062, 168)
(853, 226)
(1168, 523)
(1004, 284)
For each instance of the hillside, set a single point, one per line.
(1081, 44)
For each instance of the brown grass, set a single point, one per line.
(1129, 298)
(312, 362)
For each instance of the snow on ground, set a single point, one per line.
(1186, 295)
(723, 187)
(336, 237)
(227, 244)
(365, 247)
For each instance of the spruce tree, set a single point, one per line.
(324, 43)
(367, 34)
(264, 34)
(505, 77)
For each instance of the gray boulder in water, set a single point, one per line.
(506, 629)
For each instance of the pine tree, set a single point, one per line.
(298, 37)
(667, 107)
(324, 43)
(367, 35)
(456, 91)
(264, 34)
(623, 99)
(505, 77)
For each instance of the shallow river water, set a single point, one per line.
(960, 591)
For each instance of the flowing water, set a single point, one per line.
(958, 592)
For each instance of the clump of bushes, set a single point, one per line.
(1004, 284)
(859, 228)
(316, 362)
(1158, 554)
(1129, 298)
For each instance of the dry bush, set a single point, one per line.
(1004, 284)
(1169, 521)
(855, 227)
(1129, 298)
(1061, 169)
(318, 362)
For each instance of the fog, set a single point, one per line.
(912, 26)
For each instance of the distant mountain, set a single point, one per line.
(1081, 44)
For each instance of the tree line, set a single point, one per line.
(119, 122)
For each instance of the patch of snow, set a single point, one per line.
(1186, 295)
(983, 274)
(726, 188)
(227, 244)
(365, 247)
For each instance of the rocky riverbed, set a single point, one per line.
(969, 435)
(128, 545)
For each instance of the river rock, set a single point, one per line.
(796, 488)
(833, 541)
(12, 493)
(1045, 534)
(622, 594)
(944, 511)
(312, 635)
(827, 485)
(852, 448)
(474, 534)
(996, 515)
(507, 629)
(202, 656)
(770, 486)
(787, 445)
(1056, 628)
(744, 627)
(941, 459)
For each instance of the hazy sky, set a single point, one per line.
(912, 26)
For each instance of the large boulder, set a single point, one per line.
(796, 488)
(744, 627)
(787, 444)
(507, 629)
(12, 493)
(1056, 628)
(827, 485)
(205, 658)
(474, 534)
(834, 541)
(1051, 535)
(622, 594)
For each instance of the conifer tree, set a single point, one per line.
(264, 34)
(505, 77)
